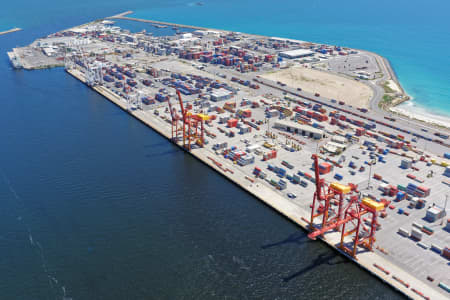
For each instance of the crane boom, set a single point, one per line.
(173, 113)
(317, 175)
(181, 103)
(321, 231)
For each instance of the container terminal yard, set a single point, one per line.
(370, 184)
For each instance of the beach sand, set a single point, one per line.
(327, 85)
(411, 110)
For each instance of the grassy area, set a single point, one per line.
(386, 101)
(387, 88)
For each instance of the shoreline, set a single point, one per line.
(424, 117)
(387, 68)
(369, 261)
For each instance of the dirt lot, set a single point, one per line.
(327, 85)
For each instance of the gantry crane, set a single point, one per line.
(193, 125)
(350, 210)
(176, 118)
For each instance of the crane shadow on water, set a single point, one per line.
(298, 237)
(163, 153)
(155, 145)
(321, 259)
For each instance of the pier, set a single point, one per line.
(10, 31)
(370, 261)
(123, 16)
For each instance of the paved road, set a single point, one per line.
(375, 112)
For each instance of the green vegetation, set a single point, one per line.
(387, 88)
(386, 101)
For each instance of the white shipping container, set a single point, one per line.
(417, 234)
(415, 224)
(403, 232)
(382, 187)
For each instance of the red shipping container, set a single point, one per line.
(446, 253)
(232, 123)
(360, 131)
(425, 190)
(333, 121)
(325, 168)
(247, 113)
(323, 118)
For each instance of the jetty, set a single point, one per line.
(374, 263)
(10, 31)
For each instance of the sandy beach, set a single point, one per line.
(410, 110)
(327, 85)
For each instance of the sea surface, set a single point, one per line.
(94, 205)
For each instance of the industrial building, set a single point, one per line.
(220, 95)
(297, 128)
(298, 53)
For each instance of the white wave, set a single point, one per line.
(412, 110)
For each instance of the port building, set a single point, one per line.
(301, 129)
(220, 95)
(297, 53)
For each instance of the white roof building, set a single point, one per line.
(298, 53)
(301, 129)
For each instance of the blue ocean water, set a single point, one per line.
(94, 205)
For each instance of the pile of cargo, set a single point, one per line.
(247, 113)
(270, 155)
(307, 176)
(310, 114)
(389, 190)
(108, 78)
(246, 159)
(146, 82)
(131, 82)
(161, 98)
(418, 191)
(148, 100)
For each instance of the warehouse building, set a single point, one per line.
(298, 53)
(220, 95)
(301, 129)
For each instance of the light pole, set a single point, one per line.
(370, 172)
(445, 209)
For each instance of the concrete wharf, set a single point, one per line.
(390, 273)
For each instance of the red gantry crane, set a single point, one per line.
(347, 218)
(193, 125)
(176, 118)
